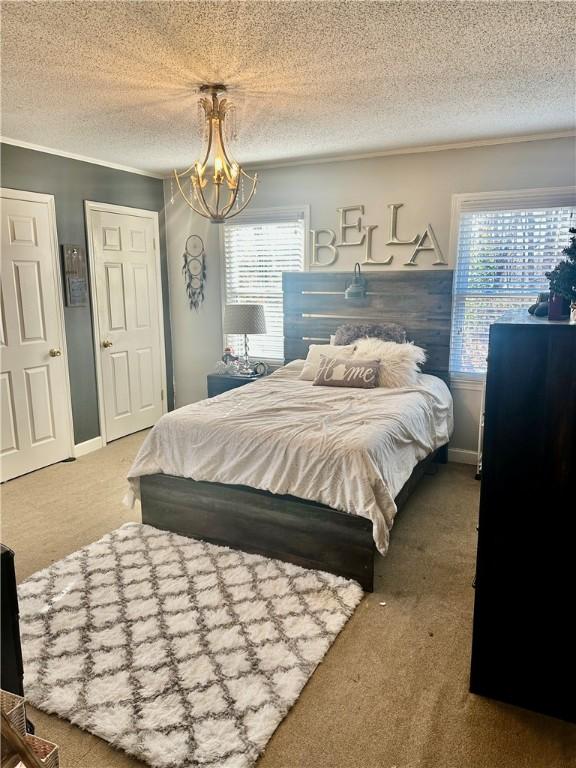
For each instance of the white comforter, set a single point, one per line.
(352, 449)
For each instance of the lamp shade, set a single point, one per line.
(244, 318)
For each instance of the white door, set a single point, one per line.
(128, 327)
(34, 392)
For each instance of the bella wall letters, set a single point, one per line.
(354, 232)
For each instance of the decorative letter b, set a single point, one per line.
(316, 246)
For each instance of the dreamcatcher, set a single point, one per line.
(194, 270)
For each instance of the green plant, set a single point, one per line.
(563, 276)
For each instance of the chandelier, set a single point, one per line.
(216, 187)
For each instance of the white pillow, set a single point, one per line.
(398, 362)
(315, 351)
(294, 365)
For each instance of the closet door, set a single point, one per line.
(36, 428)
(128, 304)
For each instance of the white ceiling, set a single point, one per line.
(115, 80)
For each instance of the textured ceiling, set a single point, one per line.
(115, 80)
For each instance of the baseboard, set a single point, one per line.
(460, 456)
(88, 446)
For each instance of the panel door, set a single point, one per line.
(128, 320)
(34, 395)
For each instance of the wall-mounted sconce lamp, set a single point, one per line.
(356, 291)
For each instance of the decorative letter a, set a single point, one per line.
(428, 233)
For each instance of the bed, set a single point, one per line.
(311, 475)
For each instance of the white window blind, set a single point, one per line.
(258, 248)
(504, 249)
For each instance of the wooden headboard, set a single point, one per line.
(419, 300)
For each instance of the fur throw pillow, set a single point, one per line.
(348, 333)
(313, 359)
(398, 362)
(339, 372)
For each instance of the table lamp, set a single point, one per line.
(246, 319)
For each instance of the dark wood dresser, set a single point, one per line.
(12, 670)
(524, 644)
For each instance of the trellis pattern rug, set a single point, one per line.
(180, 652)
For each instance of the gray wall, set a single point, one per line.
(423, 181)
(72, 182)
(198, 343)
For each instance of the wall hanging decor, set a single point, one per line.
(330, 242)
(214, 185)
(76, 275)
(194, 270)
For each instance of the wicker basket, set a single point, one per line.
(44, 750)
(15, 710)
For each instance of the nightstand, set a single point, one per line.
(222, 382)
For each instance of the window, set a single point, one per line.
(505, 245)
(258, 248)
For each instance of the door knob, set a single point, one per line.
(55, 352)
(106, 343)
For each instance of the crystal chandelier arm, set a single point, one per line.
(250, 178)
(208, 213)
(195, 164)
(205, 213)
(230, 205)
(186, 171)
(217, 200)
(229, 163)
(250, 196)
(208, 114)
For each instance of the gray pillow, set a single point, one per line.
(348, 333)
(342, 372)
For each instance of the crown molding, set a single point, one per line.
(82, 158)
(317, 159)
(312, 160)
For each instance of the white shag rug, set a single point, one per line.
(181, 653)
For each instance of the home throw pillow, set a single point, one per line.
(339, 372)
(328, 350)
(398, 362)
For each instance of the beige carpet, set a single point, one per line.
(393, 690)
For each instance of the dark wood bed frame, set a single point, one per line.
(285, 527)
